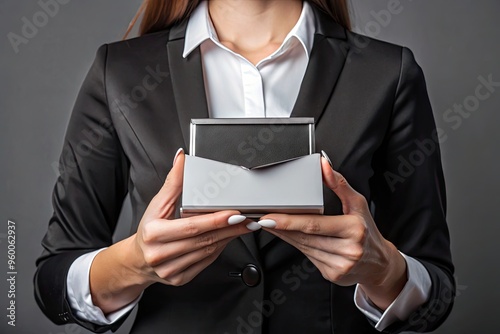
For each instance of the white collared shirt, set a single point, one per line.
(235, 88)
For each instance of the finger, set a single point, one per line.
(174, 249)
(344, 226)
(163, 203)
(191, 272)
(161, 230)
(333, 274)
(308, 243)
(336, 263)
(350, 198)
(169, 269)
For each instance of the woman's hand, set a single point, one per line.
(347, 249)
(166, 250)
(174, 251)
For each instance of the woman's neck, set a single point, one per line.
(254, 28)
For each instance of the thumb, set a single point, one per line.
(163, 203)
(350, 198)
(174, 180)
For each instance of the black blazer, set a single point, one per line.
(373, 118)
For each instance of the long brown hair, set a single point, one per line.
(160, 14)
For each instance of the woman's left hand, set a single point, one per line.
(347, 249)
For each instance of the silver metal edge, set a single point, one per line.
(251, 213)
(192, 139)
(235, 121)
(301, 208)
(312, 139)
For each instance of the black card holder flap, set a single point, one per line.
(252, 142)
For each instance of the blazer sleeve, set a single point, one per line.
(408, 194)
(87, 197)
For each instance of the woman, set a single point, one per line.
(379, 258)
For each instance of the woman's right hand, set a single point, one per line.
(174, 251)
(165, 250)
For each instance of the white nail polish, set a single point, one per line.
(267, 223)
(236, 219)
(323, 153)
(177, 154)
(253, 226)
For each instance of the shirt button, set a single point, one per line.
(250, 275)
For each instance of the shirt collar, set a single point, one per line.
(200, 28)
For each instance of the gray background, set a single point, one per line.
(454, 41)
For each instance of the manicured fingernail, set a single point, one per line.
(323, 153)
(267, 223)
(177, 154)
(253, 226)
(236, 219)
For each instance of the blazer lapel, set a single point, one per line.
(326, 62)
(187, 81)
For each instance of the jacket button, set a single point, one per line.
(250, 275)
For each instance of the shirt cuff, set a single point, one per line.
(80, 300)
(414, 294)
